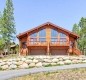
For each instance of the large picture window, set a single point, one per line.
(54, 33)
(42, 39)
(62, 35)
(33, 35)
(42, 33)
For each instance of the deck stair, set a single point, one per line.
(76, 51)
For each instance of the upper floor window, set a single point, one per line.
(33, 35)
(54, 33)
(42, 33)
(62, 35)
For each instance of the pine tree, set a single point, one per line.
(80, 29)
(75, 28)
(8, 24)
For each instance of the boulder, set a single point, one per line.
(60, 59)
(47, 60)
(12, 66)
(75, 61)
(55, 60)
(28, 61)
(23, 66)
(8, 63)
(84, 61)
(35, 60)
(39, 64)
(67, 62)
(60, 63)
(23, 59)
(19, 62)
(32, 65)
(4, 67)
(45, 64)
(2, 63)
(53, 64)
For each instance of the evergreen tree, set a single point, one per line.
(8, 26)
(75, 28)
(80, 29)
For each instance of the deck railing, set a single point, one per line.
(59, 43)
(37, 43)
(44, 43)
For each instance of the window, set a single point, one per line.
(42, 39)
(54, 39)
(54, 33)
(34, 35)
(42, 33)
(33, 38)
(62, 35)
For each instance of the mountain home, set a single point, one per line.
(48, 39)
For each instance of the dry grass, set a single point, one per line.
(73, 74)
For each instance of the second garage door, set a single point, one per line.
(38, 52)
(58, 52)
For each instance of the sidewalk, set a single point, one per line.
(4, 75)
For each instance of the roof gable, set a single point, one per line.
(48, 23)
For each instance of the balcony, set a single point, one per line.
(37, 43)
(44, 43)
(59, 43)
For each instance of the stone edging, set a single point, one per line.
(4, 75)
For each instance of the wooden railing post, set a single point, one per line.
(48, 49)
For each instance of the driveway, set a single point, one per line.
(5, 75)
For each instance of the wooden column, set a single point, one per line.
(48, 49)
(58, 38)
(48, 34)
(67, 37)
(29, 51)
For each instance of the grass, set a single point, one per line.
(73, 74)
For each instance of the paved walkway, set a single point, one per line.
(5, 75)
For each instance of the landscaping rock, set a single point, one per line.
(39, 64)
(12, 66)
(67, 62)
(35, 61)
(24, 65)
(45, 64)
(32, 65)
(47, 60)
(55, 60)
(23, 59)
(28, 61)
(4, 67)
(84, 61)
(60, 63)
(75, 61)
(53, 64)
(8, 63)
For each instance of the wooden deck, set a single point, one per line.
(37, 43)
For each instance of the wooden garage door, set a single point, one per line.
(59, 52)
(38, 52)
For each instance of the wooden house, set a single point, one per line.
(48, 39)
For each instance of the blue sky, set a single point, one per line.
(31, 13)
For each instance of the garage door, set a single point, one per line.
(58, 52)
(38, 52)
